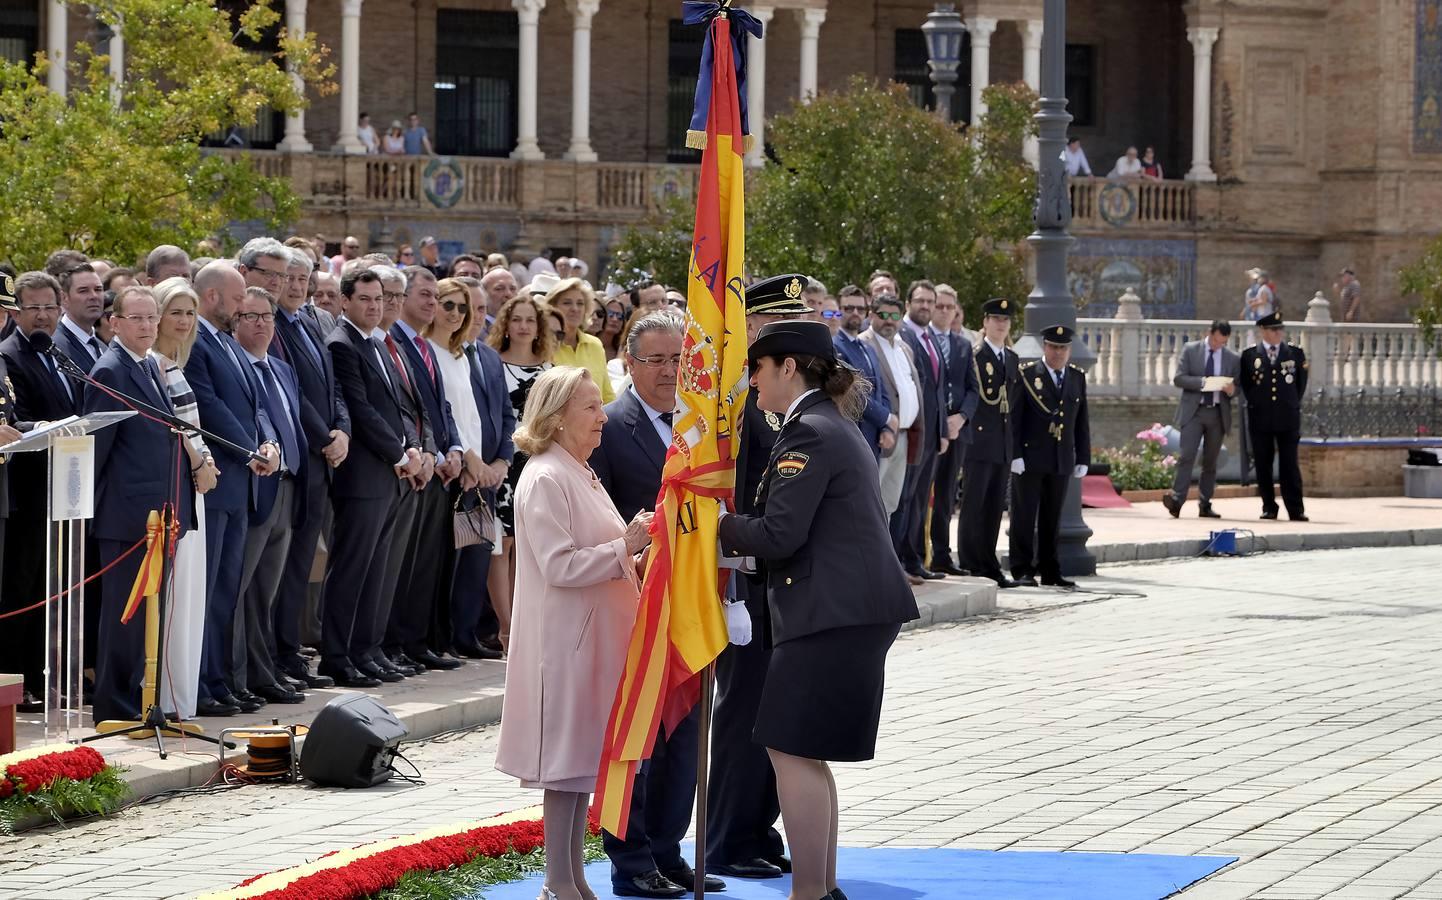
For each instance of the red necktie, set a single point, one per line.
(931, 352)
(405, 381)
(426, 357)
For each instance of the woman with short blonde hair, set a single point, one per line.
(571, 298)
(577, 591)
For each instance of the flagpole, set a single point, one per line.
(708, 690)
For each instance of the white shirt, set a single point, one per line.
(456, 376)
(999, 351)
(791, 410)
(284, 400)
(663, 431)
(1076, 162)
(215, 333)
(908, 396)
(85, 336)
(1126, 167)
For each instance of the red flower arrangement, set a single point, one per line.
(55, 781)
(31, 775)
(367, 870)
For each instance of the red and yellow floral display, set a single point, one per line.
(56, 780)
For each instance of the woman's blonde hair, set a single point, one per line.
(570, 284)
(544, 344)
(166, 293)
(545, 406)
(444, 288)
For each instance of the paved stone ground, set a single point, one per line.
(1284, 708)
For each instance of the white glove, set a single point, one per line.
(1018, 466)
(1079, 471)
(738, 623)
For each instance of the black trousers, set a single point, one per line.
(982, 498)
(120, 657)
(741, 801)
(22, 583)
(1036, 501)
(408, 511)
(662, 798)
(943, 501)
(290, 603)
(354, 579)
(425, 575)
(915, 501)
(1280, 446)
(470, 601)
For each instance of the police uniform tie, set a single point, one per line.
(1057, 375)
(1271, 354)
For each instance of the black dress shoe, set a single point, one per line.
(652, 884)
(303, 679)
(1269, 514)
(947, 568)
(242, 704)
(215, 708)
(1003, 582)
(388, 664)
(781, 863)
(746, 868)
(431, 661)
(477, 651)
(29, 703)
(350, 677)
(924, 573)
(277, 694)
(252, 696)
(389, 676)
(1063, 583)
(398, 658)
(837, 894)
(1206, 512)
(492, 643)
(1024, 579)
(1173, 505)
(1299, 518)
(685, 876)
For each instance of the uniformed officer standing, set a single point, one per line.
(989, 455)
(1274, 381)
(1051, 444)
(741, 839)
(8, 432)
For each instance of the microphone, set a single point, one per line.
(41, 342)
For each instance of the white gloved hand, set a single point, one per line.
(738, 623)
(1018, 466)
(1079, 471)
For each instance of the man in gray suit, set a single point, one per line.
(1204, 417)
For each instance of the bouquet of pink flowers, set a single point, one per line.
(1147, 468)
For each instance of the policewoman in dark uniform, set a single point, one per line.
(836, 592)
(988, 457)
(1050, 445)
(1274, 381)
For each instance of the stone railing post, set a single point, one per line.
(1127, 344)
(1320, 342)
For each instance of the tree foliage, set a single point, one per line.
(117, 178)
(864, 179)
(1423, 279)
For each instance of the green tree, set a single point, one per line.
(1423, 279)
(115, 170)
(866, 179)
(658, 248)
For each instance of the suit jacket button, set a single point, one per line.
(788, 581)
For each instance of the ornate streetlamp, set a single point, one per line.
(943, 30)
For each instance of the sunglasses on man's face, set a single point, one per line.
(831, 314)
(452, 306)
(888, 316)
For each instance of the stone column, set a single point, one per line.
(294, 140)
(56, 39)
(1031, 74)
(529, 12)
(116, 52)
(1202, 40)
(581, 11)
(756, 88)
(347, 141)
(981, 29)
(811, 20)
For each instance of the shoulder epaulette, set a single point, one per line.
(1029, 364)
(1074, 366)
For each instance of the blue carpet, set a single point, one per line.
(904, 874)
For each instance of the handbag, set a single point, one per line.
(474, 525)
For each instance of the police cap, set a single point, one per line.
(1057, 334)
(8, 300)
(793, 338)
(998, 306)
(1271, 320)
(779, 295)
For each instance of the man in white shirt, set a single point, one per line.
(1128, 165)
(83, 300)
(1076, 159)
(903, 387)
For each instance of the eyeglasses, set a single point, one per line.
(146, 320)
(452, 306)
(393, 296)
(856, 308)
(560, 335)
(658, 361)
(254, 318)
(888, 316)
(615, 314)
(269, 274)
(831, 314)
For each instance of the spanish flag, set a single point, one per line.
(147, 580)
(680, 627)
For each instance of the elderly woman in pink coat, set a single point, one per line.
(575, 602)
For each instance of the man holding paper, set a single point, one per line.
(1207, 373)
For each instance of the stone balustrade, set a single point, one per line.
(1122, 202)
(1135, 357)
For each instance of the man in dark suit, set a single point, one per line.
(278, 509)
(134, 474)
(41, 393)
(647, 862)
(1204, 417)
(228, 397)
(961, 403)
(988, 456)
(325, 423)
(386, 448)
(83, 299)
(472, 631)
(742, 840)
(1050, 446)
(862, 357)
(909, 522)
(426, 579)
(1274, 381)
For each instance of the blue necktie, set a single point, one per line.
(275, 408)
(309, 344)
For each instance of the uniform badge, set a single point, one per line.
(792, 289)
(774, 421)
(1037, 382)
(791, 463)
(1257, 363)
(989, 370)
(1289, 378)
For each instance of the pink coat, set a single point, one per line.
(575, 603)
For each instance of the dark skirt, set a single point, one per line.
(823, 692)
